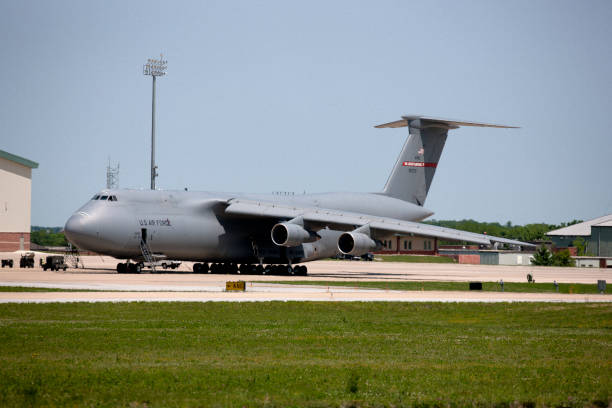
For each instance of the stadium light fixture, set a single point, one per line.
(154, 68)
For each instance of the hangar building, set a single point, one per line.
(15, 201)
(409, 244)
(597, 234)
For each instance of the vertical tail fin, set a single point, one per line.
(416, 165)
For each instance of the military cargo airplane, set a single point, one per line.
(219, 231)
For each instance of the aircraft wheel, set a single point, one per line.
(290, 270)
(196, 267)
(134, 268)
(259, 270)
(204, 268)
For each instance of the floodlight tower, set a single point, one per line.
(154, 68)
(112, 176)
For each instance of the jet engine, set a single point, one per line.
(289, 235)
(355, 243)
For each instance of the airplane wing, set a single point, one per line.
(318, 218)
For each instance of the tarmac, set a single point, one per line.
(98, 282)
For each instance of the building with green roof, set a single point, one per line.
(15, 201)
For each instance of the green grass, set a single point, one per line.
(575, 288)
(305, 354)
(407, 258)
(416, 258)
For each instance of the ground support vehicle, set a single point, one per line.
(27, 260)
(54, 262)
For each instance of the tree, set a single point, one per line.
(563, 258)
(542, 257)
(580, 245)
(48, 238)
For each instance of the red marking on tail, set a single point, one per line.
(419, 164)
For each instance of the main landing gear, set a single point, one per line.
(250, 269)
(129, 268)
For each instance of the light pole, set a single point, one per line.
(154, 68)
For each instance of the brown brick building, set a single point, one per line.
(409, 245)
(15, 201)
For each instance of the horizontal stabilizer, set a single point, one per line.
(437, 122)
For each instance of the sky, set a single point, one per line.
(265, 96)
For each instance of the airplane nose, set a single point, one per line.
(80, 231)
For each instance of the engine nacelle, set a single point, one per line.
(290, 235)
(355, 243)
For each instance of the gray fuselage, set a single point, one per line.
(192, 226)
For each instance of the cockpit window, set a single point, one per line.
(104, 198)
(96, 197)
(112, 198)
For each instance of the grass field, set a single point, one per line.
(305, 354)
(415, 258)
(576, 288)
(408, 258)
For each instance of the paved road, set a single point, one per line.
(184, 286)
(263, 293)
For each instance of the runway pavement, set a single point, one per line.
(182, 285)
(259, 293)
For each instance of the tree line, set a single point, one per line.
(45, 236)
(526, 233)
